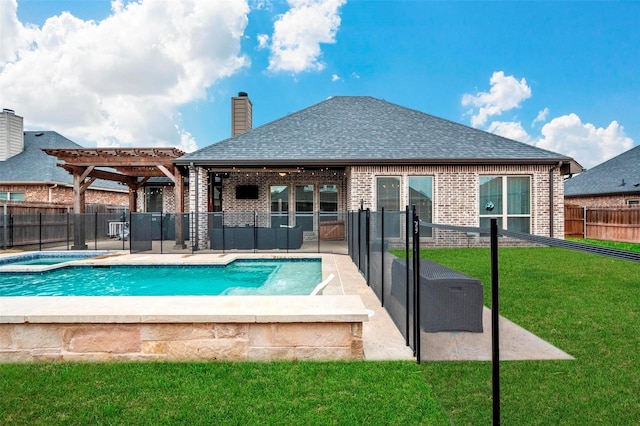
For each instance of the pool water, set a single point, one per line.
(241, 277)
(46, 258)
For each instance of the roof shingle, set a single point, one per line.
(618, 175)
(346, 130)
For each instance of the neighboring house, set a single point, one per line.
(614, 183)
(28, 174)
(347, 152)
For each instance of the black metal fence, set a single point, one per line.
(249, 231)
(423, 297)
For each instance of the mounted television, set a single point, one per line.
(247, 192)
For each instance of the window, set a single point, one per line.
(388, 196)
(279, 205)
(328, 202)
(153, 198)
(388, 193)
(508, 199)
(633, 202)
(11, 196)
(421, 196)
(304, 207)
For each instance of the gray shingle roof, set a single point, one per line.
(347, 130)
(35, 165)
(608, 177)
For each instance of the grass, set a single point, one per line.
(219, 393)
(612, 244)
(587, 305)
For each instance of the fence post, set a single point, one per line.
(95, 231)
(68, 221)
(382, 257)
(359, 237)
(161, 233)
(4, 227)
(495, 318)
(368, 244)
(584, 222)
(407, 230)
(416, 284)
(40, 231)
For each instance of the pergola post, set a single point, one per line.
(179, 195)
(79, 208)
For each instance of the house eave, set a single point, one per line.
(315, 163)
(604, 194)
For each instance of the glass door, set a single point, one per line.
(279, 205)
(304, 207)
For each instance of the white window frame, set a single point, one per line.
(505, 216)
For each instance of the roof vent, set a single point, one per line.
(242, 94)
(623, 183)
(39, 134)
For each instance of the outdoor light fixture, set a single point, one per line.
(282, 174)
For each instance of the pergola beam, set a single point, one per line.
(133, 166)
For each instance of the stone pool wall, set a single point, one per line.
(244, 328)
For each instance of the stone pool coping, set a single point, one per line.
(181, 309)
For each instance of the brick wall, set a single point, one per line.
(456, 192)
(603, 201)
(64, 195)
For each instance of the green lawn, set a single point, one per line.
(587, 305)
(218, 393)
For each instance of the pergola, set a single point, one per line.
(130, 166)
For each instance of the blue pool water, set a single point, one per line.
(242, 277)
(46, 258)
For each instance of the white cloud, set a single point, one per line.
(335, 77)
(541, 117)
(505, 94)
(509, 129)
(298, 33)
(120, 81)
(263, 41)
(14, 36)
(587, 144)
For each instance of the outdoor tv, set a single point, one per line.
(247, 192)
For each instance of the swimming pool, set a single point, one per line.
(240, 277)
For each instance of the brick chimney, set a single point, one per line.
(241, 114)
(11, 134)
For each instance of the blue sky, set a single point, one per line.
(559, 75)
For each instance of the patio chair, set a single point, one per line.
(320, 287)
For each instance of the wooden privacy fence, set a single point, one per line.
(601, 223)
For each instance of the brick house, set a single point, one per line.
(29, 175)
(614, 183)
(351, 151)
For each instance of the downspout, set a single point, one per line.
(51, 188)
(551, 204)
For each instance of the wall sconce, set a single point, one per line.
(282, 174)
